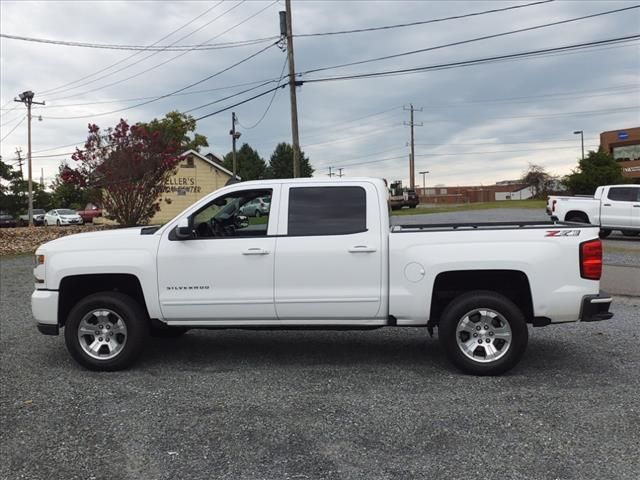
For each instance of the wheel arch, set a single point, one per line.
(578, 213)
(513, 284)
(74, 288)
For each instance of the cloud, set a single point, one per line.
(461, 107)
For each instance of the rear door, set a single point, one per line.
(617, 207)
(329, 252)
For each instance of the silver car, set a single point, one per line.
(62, 216)
(256, 208)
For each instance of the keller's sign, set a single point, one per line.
(182, 185)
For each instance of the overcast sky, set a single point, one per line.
(477, 127)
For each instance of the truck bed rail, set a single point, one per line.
(440, 227)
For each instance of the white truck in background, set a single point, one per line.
(323, 256)
(612, 207)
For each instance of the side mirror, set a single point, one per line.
(183, 230)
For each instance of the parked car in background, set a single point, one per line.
(612, 207)
(256, 207)
(62, 216)
(38, 217)
(90, 212)
(7, 220)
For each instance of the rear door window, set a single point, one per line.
(327, 211)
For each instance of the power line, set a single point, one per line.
(275, 92)
(13, 129)
(479, 61)
(61, 88)
(136, 99)
(145, 48)
(220, 72)
(241, 103)
(153, 67)
(422, 22)
(470, 40)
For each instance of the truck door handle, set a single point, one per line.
(606, 205)
(361, 249)
(636, 206)
(256, 251)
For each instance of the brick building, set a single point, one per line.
(624, 145)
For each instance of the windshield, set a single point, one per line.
(66, 212)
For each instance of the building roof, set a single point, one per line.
(211, 162)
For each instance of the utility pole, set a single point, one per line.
(331, 174)
(27, 99)
(42, 177)
(286, 30)
(412, 158)
(340, 174)
(20, 163)
(234, 136)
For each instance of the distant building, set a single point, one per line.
(197, 175)
(505, 190)
(624, 145)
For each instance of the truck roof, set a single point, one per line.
(289, 181)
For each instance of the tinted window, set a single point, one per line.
(623, 194)
(327, 210)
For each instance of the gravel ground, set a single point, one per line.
(618, 249)
(318, 405)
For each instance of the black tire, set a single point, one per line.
(58, 223)
(133, 316)
(604, 233)
(164, 331)
(459, 308)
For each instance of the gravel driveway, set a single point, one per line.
(318, 405)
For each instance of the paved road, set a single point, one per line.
(317, 405)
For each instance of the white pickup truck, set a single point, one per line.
(612, 207)
(324, 256)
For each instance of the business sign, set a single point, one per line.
(623, 135)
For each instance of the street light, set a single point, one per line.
(423, 174)
(581, 133)
(27, 99)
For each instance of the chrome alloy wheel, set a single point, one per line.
(102, 334)
(483, 335)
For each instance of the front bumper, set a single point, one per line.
(596, 307)
(44, 306)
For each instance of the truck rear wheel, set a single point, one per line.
(483, 333)
(106, 331)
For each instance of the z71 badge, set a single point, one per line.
(562, 233)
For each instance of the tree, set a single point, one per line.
(281, 163)
(251, 166)
(129, 166)
(14, 197)
(537, 178)
(597, 168)
(176, 128)
(68, 194)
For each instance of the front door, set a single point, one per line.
(225, 271)
(329, 254)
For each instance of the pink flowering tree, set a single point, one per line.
(129, 166)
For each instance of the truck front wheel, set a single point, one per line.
(483, 333)
(106, 331)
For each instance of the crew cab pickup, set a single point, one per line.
(612, 207)
(324, 256)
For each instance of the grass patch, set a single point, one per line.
(531, 204)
